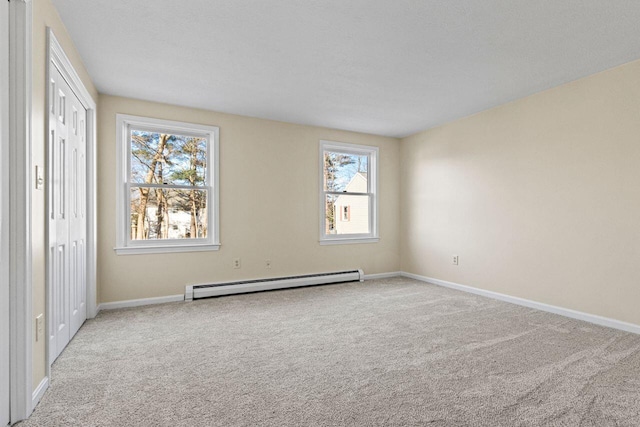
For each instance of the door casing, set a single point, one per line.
(19, 229)
(4, 226)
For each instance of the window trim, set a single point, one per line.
(124, 244)
(372, 182)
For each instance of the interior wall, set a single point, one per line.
(539, 197)
(44, 15)
(269, 183)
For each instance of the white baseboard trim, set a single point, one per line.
(140, 302)
(382, 275)
(579, 315)
(39, 392)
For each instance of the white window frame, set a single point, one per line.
(372, 184)
(124, 243)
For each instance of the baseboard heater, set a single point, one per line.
(218, 289)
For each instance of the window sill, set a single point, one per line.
(348, 241)
(138, 250)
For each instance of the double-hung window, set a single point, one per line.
(348, 193)
(167, 194)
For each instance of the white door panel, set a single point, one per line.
(77, 221)
(67, 225)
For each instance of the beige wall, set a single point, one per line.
(44, 15)
(540, 198)
(266, 168)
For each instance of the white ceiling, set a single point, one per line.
(390, 67)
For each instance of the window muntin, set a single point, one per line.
(168, 196)
(348, 192)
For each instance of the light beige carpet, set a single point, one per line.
(393, 352)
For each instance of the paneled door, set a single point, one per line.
(4, 205)
(67, 214)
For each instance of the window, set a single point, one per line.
(348, 187)
(167, 186)
(345, 213)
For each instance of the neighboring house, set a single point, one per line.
(176, 225)
(351, 211)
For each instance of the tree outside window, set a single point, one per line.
(168, 183)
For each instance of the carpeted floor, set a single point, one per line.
(392, 352)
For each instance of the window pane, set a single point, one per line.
(161, 158)
(158, 213)
(347, 214)
(345, 172)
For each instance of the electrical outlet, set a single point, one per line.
(267, 263)
(39, 327)
(236, 263)
(454, 260)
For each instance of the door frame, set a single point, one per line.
(4, 212)
(57, 58)
(19, 157)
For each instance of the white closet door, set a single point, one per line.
(67, 213)
(77, 216)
